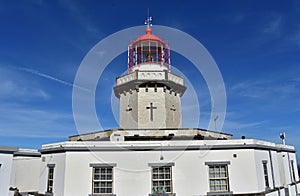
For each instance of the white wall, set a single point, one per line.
(27, 172)
(133, 175)
(260, 156)
(59, 173)
(5, 173)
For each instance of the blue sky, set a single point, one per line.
(256, 45)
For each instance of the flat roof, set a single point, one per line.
(80, 146)
(153, 134)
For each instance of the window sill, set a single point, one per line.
(220, 193)
(162, 194)
(102, 194)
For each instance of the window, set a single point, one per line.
(218, 178)
(293, 171)
(50, 178)
(102, 178)
(161, 174)
(265, 168)
(162, 179)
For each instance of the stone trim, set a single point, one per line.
(220, 193)
(217, 163)
(161, 164)
(103, 165)
(51, 165)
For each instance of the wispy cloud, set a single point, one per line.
(53, 78)
(14, 85)
(240, 125)
(273, 26)
(81, 16)
(21, 121)
(264, 88)
(295, 37)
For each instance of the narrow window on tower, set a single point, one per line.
(293, 171)
(266, 176)
(102, 179)
(218, 177)
(50, 179)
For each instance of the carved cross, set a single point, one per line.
(151, 108)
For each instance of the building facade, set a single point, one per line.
(19, 170)
(151, 154)
(188, 168)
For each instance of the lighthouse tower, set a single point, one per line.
(149, 94)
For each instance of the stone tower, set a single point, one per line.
(149, 94)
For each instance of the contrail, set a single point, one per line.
(53, 78)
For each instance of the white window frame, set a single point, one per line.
(50, 178)
(266, 174)
(103, 167)
(164, 176)
(218, 175)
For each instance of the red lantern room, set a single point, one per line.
(148, 50)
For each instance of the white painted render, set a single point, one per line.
(132, 175)
(6, 161)
(26, 173)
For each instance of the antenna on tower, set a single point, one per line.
(282, 137)
(148, 21)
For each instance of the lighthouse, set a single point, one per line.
(149, 93)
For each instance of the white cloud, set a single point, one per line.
(17, 120)
(282, 87)
(273, 26)
(53, 78)
(81, 16)
(14, 85)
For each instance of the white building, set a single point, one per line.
(19, 168)
(151, 154)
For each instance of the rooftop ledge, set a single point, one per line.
(165, 145)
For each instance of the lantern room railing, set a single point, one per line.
(148, 51)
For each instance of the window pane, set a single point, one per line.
(161, 179)
(218, 178)
(96, 184)
(96, 177)
(96, 170)
(96, 190)
(168, 189)
(102, 181)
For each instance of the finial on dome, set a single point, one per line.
(148, 21)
